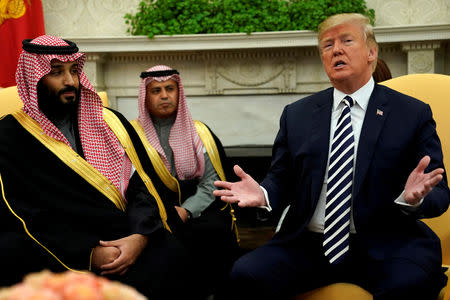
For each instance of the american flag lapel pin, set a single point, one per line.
(379, 112)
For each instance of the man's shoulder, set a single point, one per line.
(200, 125)
(397, 98)
(116, 113)
(312, 99)
(204, 130)
(7, 124)
(110, 114)
(12, 134)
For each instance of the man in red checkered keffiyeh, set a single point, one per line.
(74, 107)
(65, 175)
(187, 158)
(187, 148)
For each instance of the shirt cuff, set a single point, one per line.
(406, 207)
(266, 197)
(195, 211)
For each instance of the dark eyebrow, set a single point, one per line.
(60, 65)
(56, 66)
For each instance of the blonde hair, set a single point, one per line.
(350, 18)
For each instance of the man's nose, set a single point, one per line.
(163, 93)
(68, 79)
(337, 48)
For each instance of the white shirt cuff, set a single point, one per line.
(266, 197)
(406, 206)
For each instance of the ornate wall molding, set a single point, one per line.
(415, 46)
(421, 56)
(241, 41)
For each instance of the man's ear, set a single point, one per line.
(373, 54)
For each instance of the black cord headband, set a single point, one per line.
(159, 73)
(46, 49)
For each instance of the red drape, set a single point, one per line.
(19, 19)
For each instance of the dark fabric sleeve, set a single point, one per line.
(428, 143)
(142, 209)
(64, 214)
(279, 179)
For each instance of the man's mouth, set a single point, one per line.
(339, 63)
(69, 94)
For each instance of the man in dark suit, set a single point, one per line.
(358, 165)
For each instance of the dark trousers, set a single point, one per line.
(282, 271)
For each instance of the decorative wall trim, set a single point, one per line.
(239, 83)
(412, 46)
(281, 39)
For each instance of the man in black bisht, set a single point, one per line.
(65, 167)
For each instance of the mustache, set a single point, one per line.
(68, 89)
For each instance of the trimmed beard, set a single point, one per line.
(50, 103)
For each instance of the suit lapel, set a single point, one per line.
(376, 114)
(319, 141)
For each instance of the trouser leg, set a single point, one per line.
(403, 279)
(280, 271)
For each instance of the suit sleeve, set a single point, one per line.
(428, 143)
(279, 180)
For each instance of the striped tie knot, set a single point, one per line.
(348, 101)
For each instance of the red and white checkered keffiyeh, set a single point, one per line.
(183, 139)
(100, 146)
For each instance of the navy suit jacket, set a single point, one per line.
(397, 132)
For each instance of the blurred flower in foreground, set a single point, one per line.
(46, 285)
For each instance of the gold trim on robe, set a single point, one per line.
(170, 181)
(160, 168)
(29, 233)
(211, 148)
(76, 163)
(67, 155)
(119, 130)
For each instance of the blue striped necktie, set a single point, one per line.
(339, 188)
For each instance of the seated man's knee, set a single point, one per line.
(412, 283)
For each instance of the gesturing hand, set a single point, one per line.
(246, 192)
(419, 184)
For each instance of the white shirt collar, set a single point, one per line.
(361, 96)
